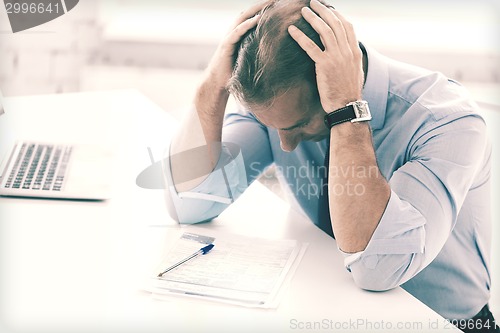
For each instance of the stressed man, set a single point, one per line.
(389, 159)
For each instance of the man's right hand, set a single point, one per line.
(221, 65)
(203, 127)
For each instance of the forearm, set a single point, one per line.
(202, 127)
(358, 193)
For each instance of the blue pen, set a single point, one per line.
(202, 251)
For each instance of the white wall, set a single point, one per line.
(49, 58)
(454, 37)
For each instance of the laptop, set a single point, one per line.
(52, 170)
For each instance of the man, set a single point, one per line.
(406, 195)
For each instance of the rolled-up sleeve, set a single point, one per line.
(427, 193)
(235, 170)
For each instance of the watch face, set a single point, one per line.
(362, 111)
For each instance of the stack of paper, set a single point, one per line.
(238, 270)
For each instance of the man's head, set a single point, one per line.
(276, 79)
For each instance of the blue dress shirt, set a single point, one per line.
(431, 145)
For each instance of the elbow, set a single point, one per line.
(191, 210)
(375, 282)
(383, 272)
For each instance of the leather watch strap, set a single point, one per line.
(339, 116)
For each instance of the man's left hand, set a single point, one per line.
(339, 69)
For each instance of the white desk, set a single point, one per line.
(76, 266)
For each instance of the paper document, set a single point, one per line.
(239, 270)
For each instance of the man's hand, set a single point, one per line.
(222, 63)
(203, 126)
(339, 69)
(339, 74)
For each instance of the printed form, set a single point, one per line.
(239, 270)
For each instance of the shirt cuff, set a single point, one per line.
(207, 200)
(400, 231)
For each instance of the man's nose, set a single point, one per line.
(288, 141)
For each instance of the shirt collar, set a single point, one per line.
(376, 87)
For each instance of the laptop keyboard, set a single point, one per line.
(39, 167)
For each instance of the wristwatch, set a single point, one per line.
(355, 112)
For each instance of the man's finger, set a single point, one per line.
(329, 16)
(310, 47)
(350, 33)
(325, 32)
(251, 11)
(242, 29)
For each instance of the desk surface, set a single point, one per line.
(69, 265)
